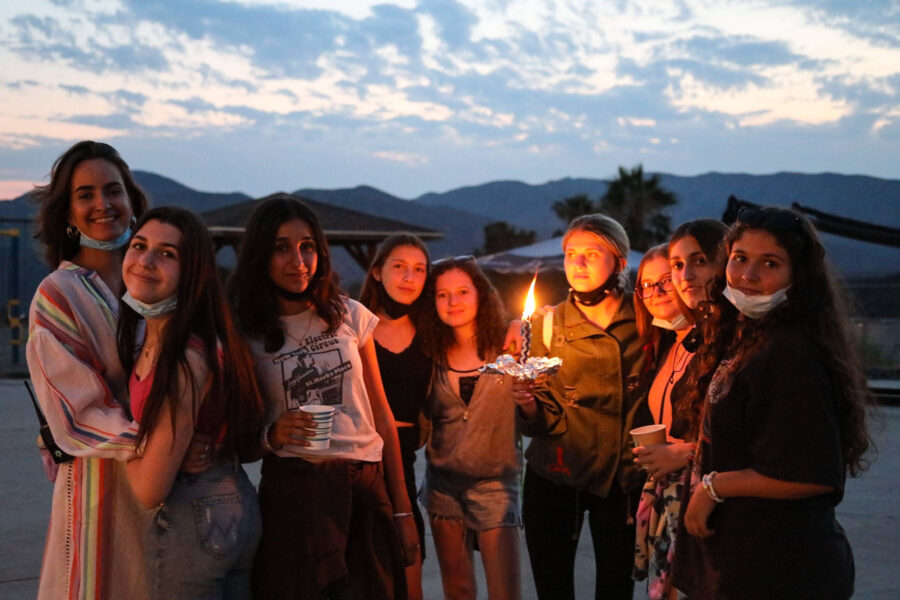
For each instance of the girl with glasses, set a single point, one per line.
(663, 329)
(783, 420)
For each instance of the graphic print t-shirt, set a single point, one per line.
(319, 367)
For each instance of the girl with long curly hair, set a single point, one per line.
(472, 481)
(784, 418)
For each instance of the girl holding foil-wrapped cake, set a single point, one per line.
(472, 481)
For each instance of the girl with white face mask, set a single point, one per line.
(784, 419)
(190, 372)
(664, 330)
(84, 219)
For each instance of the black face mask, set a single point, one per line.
(394, 309)
(596, 296)
(304, 296)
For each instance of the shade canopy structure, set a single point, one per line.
(546, 256)
(359, 233)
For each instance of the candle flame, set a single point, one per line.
(529, 300)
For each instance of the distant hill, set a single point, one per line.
(529, 206)
(461, 214)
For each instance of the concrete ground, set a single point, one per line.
(868, 512)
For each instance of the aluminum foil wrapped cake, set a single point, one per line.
(506, 364)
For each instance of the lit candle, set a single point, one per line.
(526, 322)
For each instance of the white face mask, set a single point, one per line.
(755, 306)
(150, 311)
(679, 322)
(109, 246)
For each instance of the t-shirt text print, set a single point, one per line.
(321, 366)
(314, 372)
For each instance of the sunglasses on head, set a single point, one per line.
(453, 259)
(776, 219)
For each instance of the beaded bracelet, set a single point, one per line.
(707, 482)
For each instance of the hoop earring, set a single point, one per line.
(72, 232)
(133, 220)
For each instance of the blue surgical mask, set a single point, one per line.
(755, 306)
(150, 311)
(679, 322)
(109, 246)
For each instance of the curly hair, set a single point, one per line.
(816, 305)
(490, 322)
(55, 198)
(252, 291)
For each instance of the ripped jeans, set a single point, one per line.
(204, 536)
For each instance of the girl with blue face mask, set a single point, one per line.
(783, 420)
(191, 376)
(83, 222)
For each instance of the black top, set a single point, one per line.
(779, 418)
(405, 376)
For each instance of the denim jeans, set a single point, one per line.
(204, 536)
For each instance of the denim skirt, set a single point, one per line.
(204, 536)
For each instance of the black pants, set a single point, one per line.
(553, 515)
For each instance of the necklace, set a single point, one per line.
(286, 327)
(449, 368)
(676, 369)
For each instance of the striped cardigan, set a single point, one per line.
(94, 545)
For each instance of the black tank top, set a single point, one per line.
(405, 377)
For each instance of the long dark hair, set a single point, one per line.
(229, 400)
(252, 290)
(816, 306)
(368, 296)
(710, 236)
(490, 322)
(55, 198)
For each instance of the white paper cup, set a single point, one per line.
(649, 435)
(319, 436)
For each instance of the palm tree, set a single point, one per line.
(573, 207)
(637, 204)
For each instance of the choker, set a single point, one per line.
(394, 309)
(304, 296)
(598, 295)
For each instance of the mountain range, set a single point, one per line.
(462, 213)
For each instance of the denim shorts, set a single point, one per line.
(480, 503)
(204, 536)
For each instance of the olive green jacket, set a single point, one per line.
(580, 434)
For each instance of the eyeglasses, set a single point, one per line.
(647, 289)
(453, 259)
(773, 217)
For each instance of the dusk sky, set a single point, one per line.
(415, 96)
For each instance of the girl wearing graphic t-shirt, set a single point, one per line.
(393, 291)
(192, 372)
(331, 517)
(783, 421)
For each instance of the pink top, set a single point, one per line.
(139, 391)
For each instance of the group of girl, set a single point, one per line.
(735, 340)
